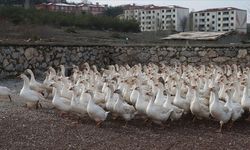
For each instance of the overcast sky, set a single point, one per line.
(191, 4)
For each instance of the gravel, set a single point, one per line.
(23, 128)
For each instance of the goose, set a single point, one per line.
(95, 112)
(4, 91)
(157, 113)
(126, 111)
(245, 100)
(78, 103)
(237, 109)
(141, 104)
(60, 102)
(181, 102)
(199, 109)
(28, 94)
(177, 112)
(34, 85)
(219, 111)
(160, 98)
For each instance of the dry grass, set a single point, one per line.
(10, 33)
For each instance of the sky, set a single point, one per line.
(191, 4)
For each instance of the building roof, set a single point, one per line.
(197, 36)
(152, 7)
(220, 9)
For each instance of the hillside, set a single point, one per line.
(10, 33)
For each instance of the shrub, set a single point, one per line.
(85, 21)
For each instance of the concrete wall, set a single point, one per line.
(16, 58)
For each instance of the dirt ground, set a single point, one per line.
(21, 128)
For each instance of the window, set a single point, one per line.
(162, 16)
(203, 14)
(218, 29)
(143, 12)
(142, 17)
(202, 20)
(173, 16)
(207, 19)
(196, 14)
(225, 24)
(195, 20)
(207, 25)
(153, 11)
(173, 21)
(213, 16)
(232, 12)
(225, 13)
(213, 28)
(219, 13)
(163, 21)
(218, 25)
(225, 29)
(232, 24)
(232, 18)
(149, 12)
(173, 10)
(162, 11)
(219, 19)
(158, 14)
(213, 22)
(225, 19)
(207, 14)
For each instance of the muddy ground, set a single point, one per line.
(21, 128)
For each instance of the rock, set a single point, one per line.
(15, 55)
(187, 53)
(1, 58)
(211, 53)
(183, 58)
(10, 67)
(242, 53)
(221, 59)
(30, 53)
(5, 62)
(193, 59)
(202, 53)
(154, 58)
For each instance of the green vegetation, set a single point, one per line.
(113, 11)
(59, 19)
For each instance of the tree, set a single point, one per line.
(113, 11)
(183, 23)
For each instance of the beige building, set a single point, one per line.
(156, 18)
(220, 19)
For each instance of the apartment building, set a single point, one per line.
(155, 18)
(220, 19)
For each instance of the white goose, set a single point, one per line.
(157, 113)
(237, 109)
(181, 102)
(60, 102)
(177, 112)
(218, 110)
(245, 100)
(199, 109)
(125, 110)
(34, 85)
(4, 91)
(28, 94)
(96, 112)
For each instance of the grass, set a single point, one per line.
(18, 15)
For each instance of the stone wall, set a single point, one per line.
(16, 58)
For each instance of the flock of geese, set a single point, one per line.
(153, 92)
